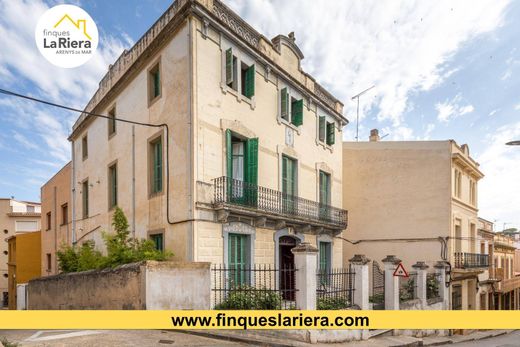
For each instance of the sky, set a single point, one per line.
(441, 70)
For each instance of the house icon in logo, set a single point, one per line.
(77, 24)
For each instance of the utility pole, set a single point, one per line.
(357, 116)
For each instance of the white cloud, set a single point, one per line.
(402, 47)
(450, 109)
(73, 87)
(24, 141)
(399, 133)
(492, 113)
(501, 165)
(517, 107)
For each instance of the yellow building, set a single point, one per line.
(249, 164)
(508, 289)
(56, 224)
(418, 201)
(16, 217)
(24, 261)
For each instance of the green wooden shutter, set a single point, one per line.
(250, 82)
(284, 104)
(229, 154)
(321, 132)
(229, 66)
(237, 258)
(323, 256)
(330, 134)
(297, 112)
(156, 84)
(251, 171)
(157, 167)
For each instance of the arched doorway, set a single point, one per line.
(287, 282)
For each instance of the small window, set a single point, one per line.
(49, 262)
(231, 70)
(49, 221)
(112, 122)
(321, 128)
(112, 186)
(331, 134)
(248, 80)
(84, 192)
(291, 109)
(84, 147)
(154, 82)
(158, 240)
(156, 166)
(64, 214)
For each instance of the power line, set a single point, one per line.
(163, 125)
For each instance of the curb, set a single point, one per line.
(247, 340)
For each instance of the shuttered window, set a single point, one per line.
(325, 256)
(230, 71)
(156, 166)
(237, 258)
(154, 82)
(249, 82)
(297, 112)
(112, 173)
(112, 122)
(321, 128)
(324, 188)
(284, 104)
(330, 133)
(288, 176)
(84, 193)
(158, 240)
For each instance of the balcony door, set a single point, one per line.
(242, 169)
(324, 195)
(289, 185)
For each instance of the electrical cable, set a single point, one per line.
(163, 125)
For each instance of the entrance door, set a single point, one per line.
(287, 281)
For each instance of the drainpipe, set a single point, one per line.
(190, 250)
(133, 181)
(73, 186)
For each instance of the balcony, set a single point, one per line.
(272, 208)
(471, 260)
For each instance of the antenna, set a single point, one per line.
(357, 117)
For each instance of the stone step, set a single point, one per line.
(400, 341)
(380, 332)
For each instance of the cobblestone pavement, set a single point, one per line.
(94, 338)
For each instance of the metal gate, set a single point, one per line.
(378, 287)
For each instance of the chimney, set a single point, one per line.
(374, 135)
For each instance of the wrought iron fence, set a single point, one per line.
(408, 287)
(236, 192)
(470, 260)
(433, 286)
(335, 289)
(378, 287)
(257, 287)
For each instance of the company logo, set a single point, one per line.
(66, 36)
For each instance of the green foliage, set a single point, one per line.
(432, 287)
(377, 298)
(121, 249)
(250, 298)
(407, 291)
(333, 303)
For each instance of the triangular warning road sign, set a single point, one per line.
(400, 271)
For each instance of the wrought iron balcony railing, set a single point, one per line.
(243, 194)
(471, 260)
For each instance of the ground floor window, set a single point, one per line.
(456, 298)
(158, 240)
(238, 258)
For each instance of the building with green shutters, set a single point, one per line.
(250, 163)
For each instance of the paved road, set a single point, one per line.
(93, 338)
(507, 340)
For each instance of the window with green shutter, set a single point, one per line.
(248, 80)
(112, 173)
(321, 128)
(289, 184)
(242, 168)
(230, 76)
(324, 197)
(158, 240)
(297, 112)
(330, 133)
(284, 104)
(238, 255)
(156, 166)
(154, 82)
(325, 261)
(84, 193)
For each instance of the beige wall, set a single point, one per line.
(55, 194)
(198, 109)
(397, 190)
(8, 220)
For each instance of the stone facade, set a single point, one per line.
(187, 46)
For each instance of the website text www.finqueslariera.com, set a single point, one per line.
(221, 320)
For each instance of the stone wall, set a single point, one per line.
(139, 286)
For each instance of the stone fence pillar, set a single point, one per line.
(422, 272)
(444, 292)
(391, 283)
(360, 266)
(305, 260)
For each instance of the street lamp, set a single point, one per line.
(513, 143)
